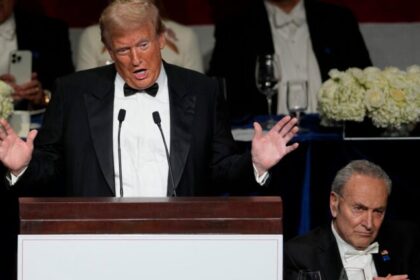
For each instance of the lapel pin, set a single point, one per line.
(385, 255)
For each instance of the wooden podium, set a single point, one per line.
(137, 237)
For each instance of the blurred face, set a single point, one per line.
(359, 211)
(137, 56)
(6, 9)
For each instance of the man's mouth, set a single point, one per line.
(140, 74)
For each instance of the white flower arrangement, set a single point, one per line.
(389, 97)
(6, 101)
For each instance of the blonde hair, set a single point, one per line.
(124, 15)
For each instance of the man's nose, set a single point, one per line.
(368, 220)
(135, 57)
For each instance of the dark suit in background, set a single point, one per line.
(48, 40)
(318, 250)
(335, 36)
(75, 143)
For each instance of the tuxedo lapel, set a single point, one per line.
(182, 109)
(382, 263)
(99, 104)
(329, 256)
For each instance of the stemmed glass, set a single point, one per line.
(297, 97)
(309, 275)
(267, 76)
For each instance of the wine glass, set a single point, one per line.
(354, 273)
(267, 76)
(309, 275)
(297, 97)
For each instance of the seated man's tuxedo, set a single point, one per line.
(399, 252)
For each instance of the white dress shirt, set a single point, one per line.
(353, 258)
(293, 48)
(143, 157)
(8, 43)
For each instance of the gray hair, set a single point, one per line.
(359, 167)
(122, 15)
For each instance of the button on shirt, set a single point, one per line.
(144, 164)
(293, 47)
(353, 258)
(8, 43)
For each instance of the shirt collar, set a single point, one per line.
(281, 19)
(343, 246)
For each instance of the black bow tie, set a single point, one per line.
(152, 91)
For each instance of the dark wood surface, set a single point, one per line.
(225, 215)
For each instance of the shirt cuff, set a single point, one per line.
(261, 180)
(12, 179)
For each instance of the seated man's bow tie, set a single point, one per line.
(372, 249)
(152, 91)
(282, 21)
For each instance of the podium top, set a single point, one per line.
(224, 215)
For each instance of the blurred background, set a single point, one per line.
(391, 29)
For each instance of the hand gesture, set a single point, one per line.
(15, 153)
(268, 149)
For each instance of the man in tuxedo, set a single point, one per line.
(356, 237)
(308, 37)
(78, 143)
(49, 42)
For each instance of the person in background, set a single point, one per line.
(358, 237)
(308, 37)
(181, 47)
(49, 43)
(47, 39)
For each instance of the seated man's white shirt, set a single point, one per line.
(358, 260)
(143, 157)
(293, 48)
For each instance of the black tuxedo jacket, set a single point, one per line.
(74, 146)
(336, 41)
(318, 250)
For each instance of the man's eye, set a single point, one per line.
(358, 209)
(144, 45)
(122, 51)
(379, 212)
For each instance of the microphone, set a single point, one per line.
(121, 117)
(156, 119)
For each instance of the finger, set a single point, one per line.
(289, 126)
(6, 127)
(291, 148)
(292, 133)
(280, 124)
(31, 137)
(258, 131)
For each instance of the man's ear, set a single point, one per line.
(334, 204)
(162, 40)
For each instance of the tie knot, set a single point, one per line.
(152, 90)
